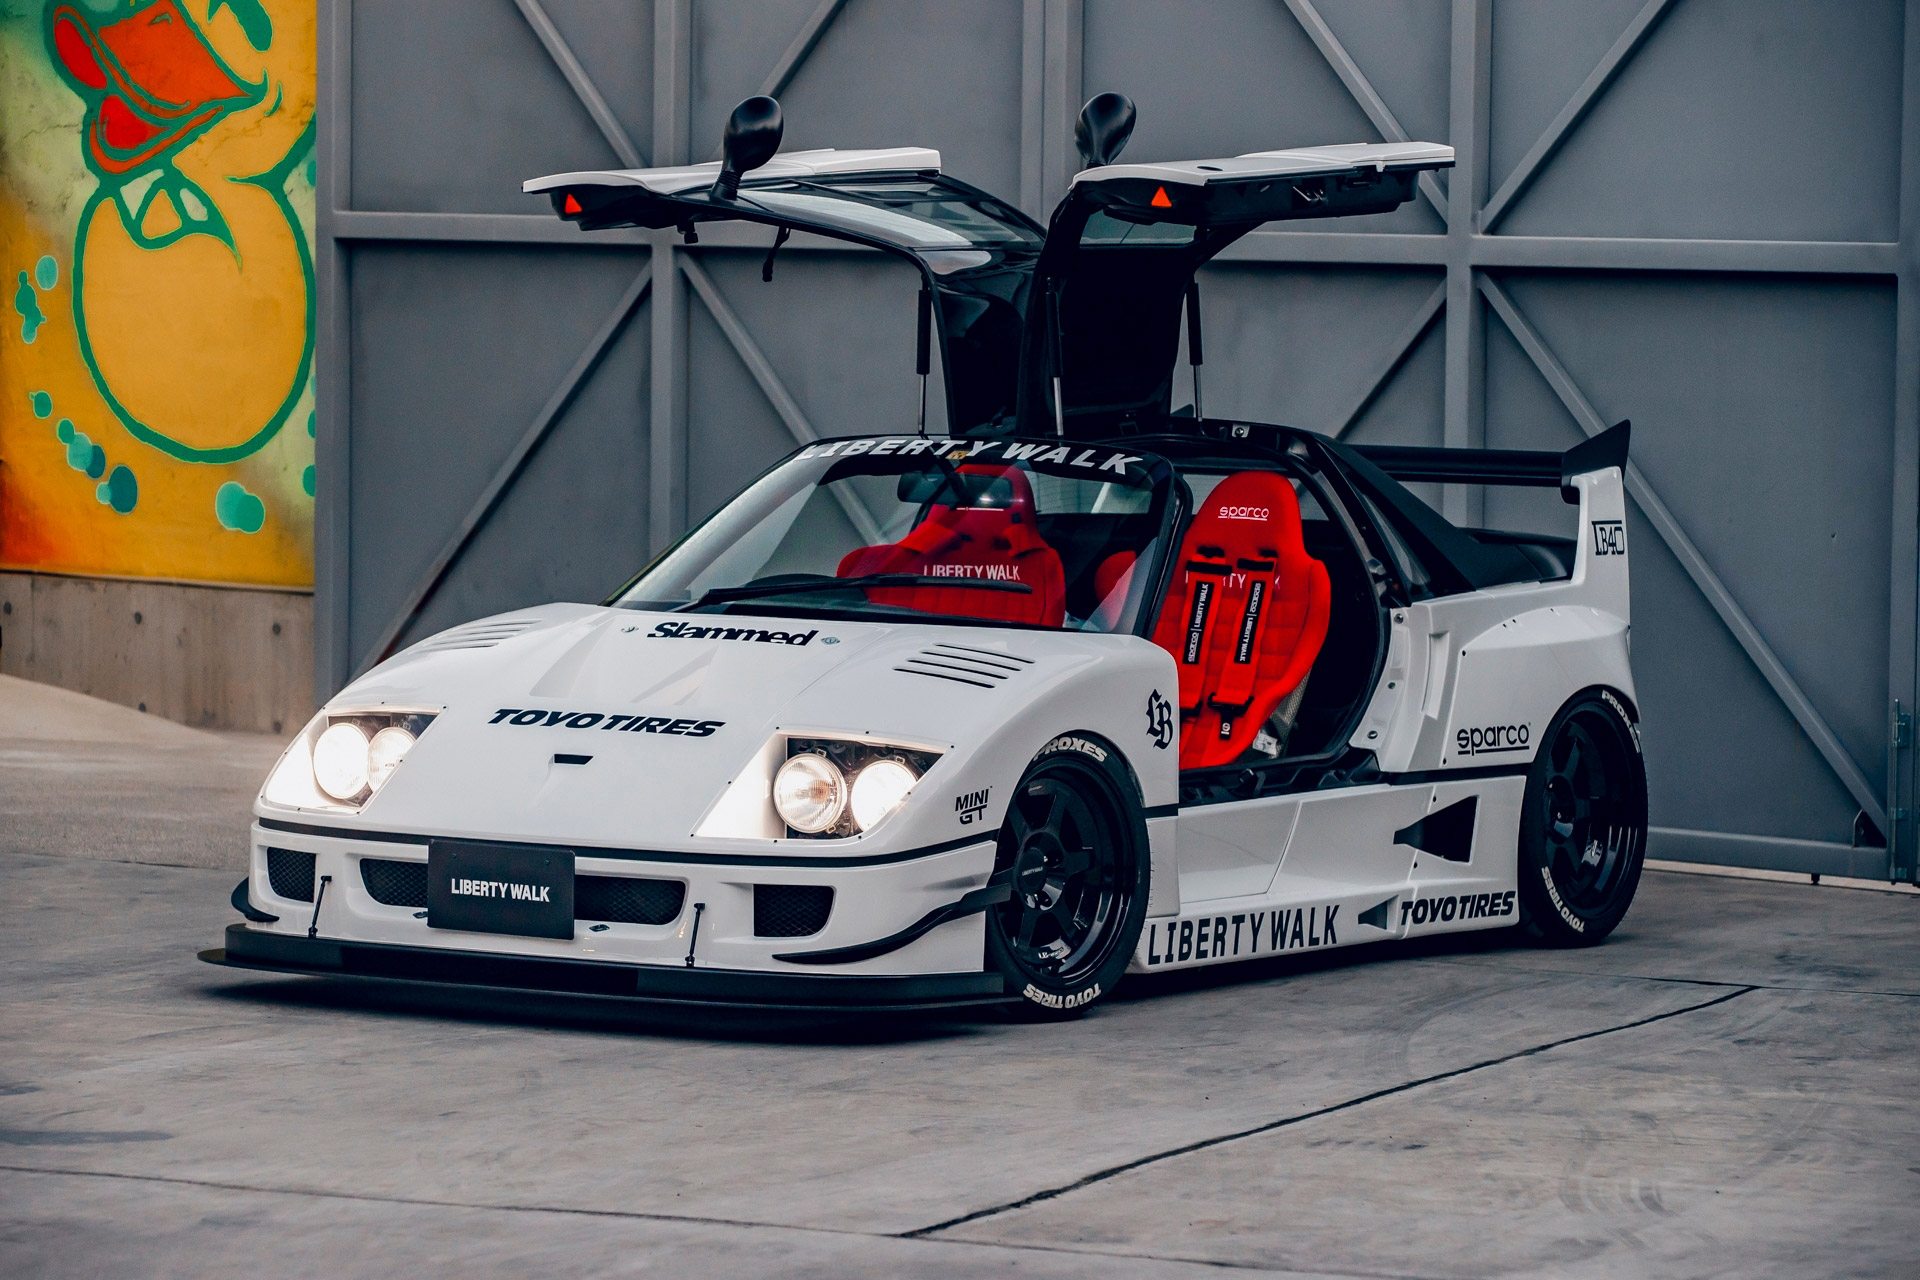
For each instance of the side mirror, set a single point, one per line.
(1105, 124)
(752, 136)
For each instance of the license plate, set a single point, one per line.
(500, 888)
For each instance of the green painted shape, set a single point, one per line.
(306, 481)
(237, 509)
(27, 303)
(46, 272)
(253, 19)
(65, 431)
(120, 490)
(274, 183)
(42, 404)
(97, 462)
(79, 451)
(309, 424)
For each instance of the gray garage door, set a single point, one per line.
(1697, 214)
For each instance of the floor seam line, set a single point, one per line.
(1690, 982)
(681, 1219)
(1204, 1144)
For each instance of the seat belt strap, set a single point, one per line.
(1203, 606)
(1236, 689)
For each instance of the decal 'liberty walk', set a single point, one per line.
(1242, 934)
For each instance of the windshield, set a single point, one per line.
(1010, 532)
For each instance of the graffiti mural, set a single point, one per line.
(156, 210)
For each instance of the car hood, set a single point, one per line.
(668, 708)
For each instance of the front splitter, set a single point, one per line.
(736, 988)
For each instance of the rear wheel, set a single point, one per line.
(1583, 824)
(1074, 848)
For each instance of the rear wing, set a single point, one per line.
(1507, 467)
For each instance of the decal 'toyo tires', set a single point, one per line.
(1074, 846)
(1583, 823)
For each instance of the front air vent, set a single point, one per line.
(790, 910)
(964, 664)
(627, 899)
(396, 883)
(290, 872)
(478, 635)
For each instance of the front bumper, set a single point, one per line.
(442, 966)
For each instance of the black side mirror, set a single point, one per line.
(753, 135)
(1105, 124)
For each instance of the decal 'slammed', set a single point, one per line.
(688, 631)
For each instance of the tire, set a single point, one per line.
(1074, 845)
(1583, 824)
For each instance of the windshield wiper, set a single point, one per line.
(760, 590)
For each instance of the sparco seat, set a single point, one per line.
(1245, 615)
(992, 537)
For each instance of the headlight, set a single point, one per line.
(878, 790)
(342, 758)
(831, 788)
(384, 753)
(810, 793)
(340, 762)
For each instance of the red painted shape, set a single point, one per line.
(1160, 199)
(120, 128)
(571, 205)
(71, 46)
(166, 59)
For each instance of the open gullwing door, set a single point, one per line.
(1118, 266)
(975, 254)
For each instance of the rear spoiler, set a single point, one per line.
(1535, 467)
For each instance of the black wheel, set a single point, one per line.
(1074, 847)
(1583, 824)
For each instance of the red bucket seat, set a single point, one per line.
(996, 540)
(1245, 616)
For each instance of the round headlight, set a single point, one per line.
(340, 762)
(809, 793)
(878, 790)
(385, 752)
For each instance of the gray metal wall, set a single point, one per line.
(1699, 214)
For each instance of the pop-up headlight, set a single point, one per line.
(342, 758)
(831, 788)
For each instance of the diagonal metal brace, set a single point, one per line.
(509, 470)
(1661, 517)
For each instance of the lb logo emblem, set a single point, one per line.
(1160, 720)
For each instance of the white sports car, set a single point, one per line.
(1082, 685)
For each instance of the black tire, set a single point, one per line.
(1074, 845)
(1583, 824)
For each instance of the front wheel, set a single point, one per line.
(1583, 824)
(1074, 849)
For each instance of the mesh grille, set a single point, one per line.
(396, 883)
(627, 899)
(790, 910)
(290, 872)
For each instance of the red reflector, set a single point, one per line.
(1160, 199)
(571, 205)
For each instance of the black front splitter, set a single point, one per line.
(737, 988)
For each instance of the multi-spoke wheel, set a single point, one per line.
(1073, 849)
(1583, 824)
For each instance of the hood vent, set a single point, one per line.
(963, 664)
(478, 635)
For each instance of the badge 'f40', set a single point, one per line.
(1073, 685)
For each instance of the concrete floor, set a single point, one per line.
(1729, 1087)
